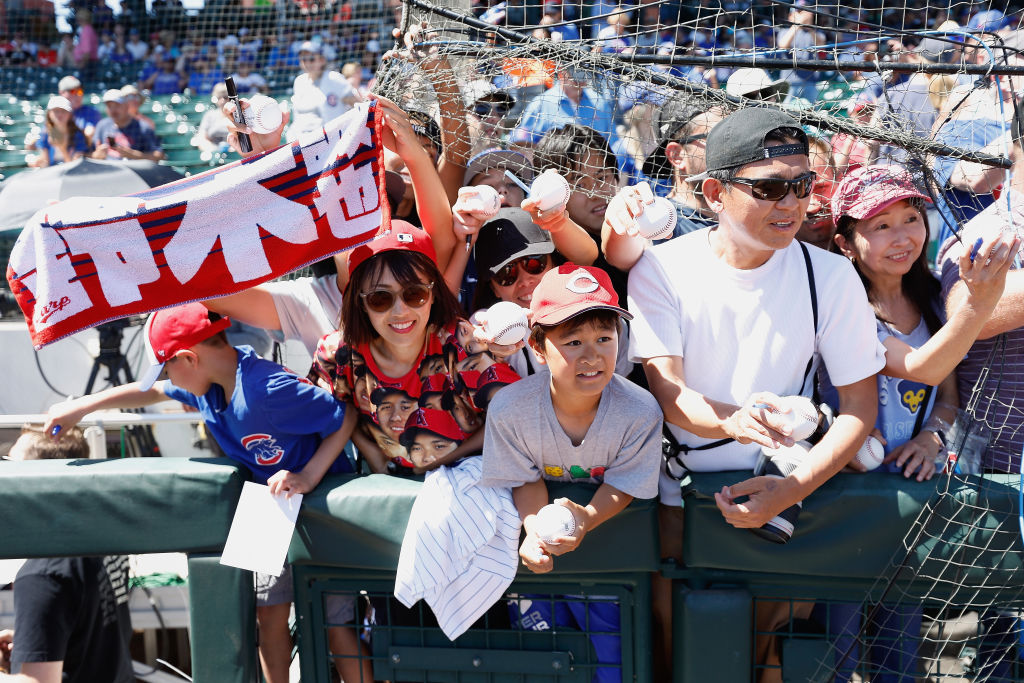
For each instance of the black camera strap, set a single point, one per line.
(673, 451)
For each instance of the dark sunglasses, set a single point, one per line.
(690, 139)
(775, 189)
(534, 265)
(483, 109)
(381, 300)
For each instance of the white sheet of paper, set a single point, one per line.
(261, 530)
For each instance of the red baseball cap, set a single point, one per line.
(173, 330)
(402, 235)
(868, 190)
(571, 289)
(438, 422)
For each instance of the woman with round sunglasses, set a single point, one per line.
(881, 227)
(512, 254)
(397, 320)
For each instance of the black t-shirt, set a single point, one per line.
(75, 610)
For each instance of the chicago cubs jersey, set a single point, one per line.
(274, 419)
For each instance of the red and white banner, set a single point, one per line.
(87, 260)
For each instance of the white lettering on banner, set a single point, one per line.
(347, 194)
(66, 296)
(255, 207)
(121, 255)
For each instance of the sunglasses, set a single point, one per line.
(775, 189)
(381, 300)
(534, 265)
(690, 139)
(483, 110)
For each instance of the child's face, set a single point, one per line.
(184, 372)
(464, 415)
(582, 361)
(888, 243)
(511, 194)
(428, 447)
(595, 185)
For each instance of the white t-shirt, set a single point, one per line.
(744, 331)
(308, 308)
(316, 103)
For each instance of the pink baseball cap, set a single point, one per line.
(402, 236)
(571, 289)
(173, 330)
(868, 190)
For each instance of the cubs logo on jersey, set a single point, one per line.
(263, 448)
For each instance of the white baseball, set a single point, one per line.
(658, 219)
(801, 418)
(264, 114)
(483, 201)
(870, 454)
(554, 521)
(506, 323)
(550, 190)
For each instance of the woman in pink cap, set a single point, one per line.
(881, 227)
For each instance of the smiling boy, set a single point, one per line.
(580, 422)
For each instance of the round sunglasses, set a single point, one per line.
(381, 300)
(533, 265)
(775, 189)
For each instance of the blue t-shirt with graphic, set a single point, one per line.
(274, 421)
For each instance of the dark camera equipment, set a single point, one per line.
(139, 439)
(779, 529)
(244, 143)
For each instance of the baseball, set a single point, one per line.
(658, 219)
(483, 201)
(550, 190)
(870, 454)
(264, 114)
(801, 419)
(506, 323)
(554, 521)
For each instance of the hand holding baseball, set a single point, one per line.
(566, 544)
(626, 206)
(482, 333)
(533, 555)
(261, 141)
(751, 422)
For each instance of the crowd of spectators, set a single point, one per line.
(716, 336)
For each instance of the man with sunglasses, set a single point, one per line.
(85, 116)
(731, 318)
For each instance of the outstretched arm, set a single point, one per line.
(69, 413)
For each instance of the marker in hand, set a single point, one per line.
(244, 144)
(55, 430)
(975, 248)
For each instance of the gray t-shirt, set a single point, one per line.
(524, 442)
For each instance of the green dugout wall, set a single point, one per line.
(350, 532)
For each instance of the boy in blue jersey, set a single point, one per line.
(288, 432)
